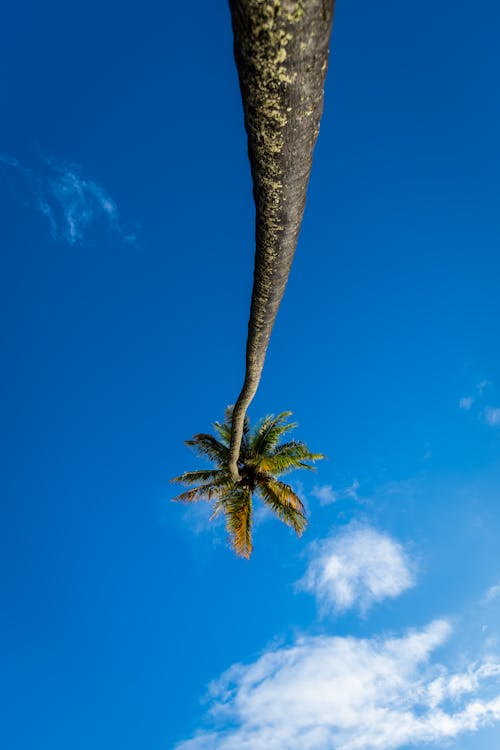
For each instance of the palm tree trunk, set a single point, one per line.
(281, 51)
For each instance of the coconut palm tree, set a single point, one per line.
(281, 51)
(263, 459)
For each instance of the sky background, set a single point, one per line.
(126, 244)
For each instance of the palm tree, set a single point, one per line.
(281, 51)
(263, 459)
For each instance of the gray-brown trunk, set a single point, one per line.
(281, 52)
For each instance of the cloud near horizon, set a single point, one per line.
(343, 693)
(357, 568)
(71, 203)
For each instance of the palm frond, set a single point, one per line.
(202, 475)
(230, 496)
(285, 494)
(299, 449)
(238, 510)
(218, 507)
(287, 457)
(268, 433)
(208, 491)
(209, 446)
(224, 429)
(224, 432)
(263, 458)
(283, 500)
(288, 507)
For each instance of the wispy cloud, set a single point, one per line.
(327, 495)
(466, 402)
(482, 385)
(493, 594)
(71, 203)
(356, 569)
(349, 694)
(492, 416)
(324, 493)
(352, 490)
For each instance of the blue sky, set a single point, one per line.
(127, 247)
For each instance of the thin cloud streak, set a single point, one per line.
(352, 490)
(71, 203)
(493, 594)
(482, 385)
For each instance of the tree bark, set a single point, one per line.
(281, 51)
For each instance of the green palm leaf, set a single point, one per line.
(209, 446)
(269, 432)
(219, 487)
(202, 475)
(287, 457)
(224, 429)
(204, 492)
(263, 458)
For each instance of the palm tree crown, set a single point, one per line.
(262, 459)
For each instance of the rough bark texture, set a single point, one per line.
(281, 51)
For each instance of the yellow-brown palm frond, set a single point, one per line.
(263, 458)
(214, 483)
(238, 511)
(284, 502)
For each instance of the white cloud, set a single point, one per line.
(492, 416)
(482, 385)
(352, 490)
(325, 494)
(333, 693)
(70, 202)
(466, 402)
(492, 594)
(357, 568)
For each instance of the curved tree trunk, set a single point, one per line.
(281, 50)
